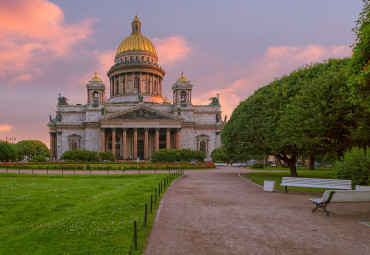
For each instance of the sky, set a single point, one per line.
(226, 47)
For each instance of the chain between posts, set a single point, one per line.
(172, 176)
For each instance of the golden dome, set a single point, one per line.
(182, 78)
(136, 41)
(96, 78)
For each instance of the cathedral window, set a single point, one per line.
(136, 85)
(147, 59)
(131, 59)
(74, 145)
(183, 97)
(202, 146)
(125, 60)
(137, 58)
(142, 59)
(123, 85)
(117, 87)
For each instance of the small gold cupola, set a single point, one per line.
(182, 78)
(95, 78)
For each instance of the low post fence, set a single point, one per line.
(161, 186)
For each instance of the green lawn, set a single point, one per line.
(260, 177)
(73, 214)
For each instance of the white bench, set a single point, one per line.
(315, 183)
(340, 196)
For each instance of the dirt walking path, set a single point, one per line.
(217, 212)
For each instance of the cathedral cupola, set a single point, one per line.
(95, 91)
(136, 26)
(136, 76)
(182, 91)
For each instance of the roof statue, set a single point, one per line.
(215, 101)
(62, 100)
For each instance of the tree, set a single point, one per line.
(8, 152)
(358, 67)
(304, 113)
(219, 155)
(83, 155)
(252, 128)
(29, 148)
(321, 119)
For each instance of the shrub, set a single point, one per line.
(355, 166)
(38, 159)
(165, 155)
(83, 155)
(107, 156)
(257, 165)
(171, 155)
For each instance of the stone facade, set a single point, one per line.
(136, 121)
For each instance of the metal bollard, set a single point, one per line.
(159, 190)
(146, 214)
(135, 235)
(151, 203)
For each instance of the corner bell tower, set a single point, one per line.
(95, 91)
(182, 92)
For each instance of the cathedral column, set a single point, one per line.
(156, 140)
(135, 143)
(146, 143)
(120, 85)
(114, 141)
(126, 82)
(102, 140)
(124, 146)
(178, 139)
(133, 85)
(140, 84)
(168, 138)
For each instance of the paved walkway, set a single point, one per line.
(217, 212)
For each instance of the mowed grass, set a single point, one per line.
(260, 177)
(74, 214)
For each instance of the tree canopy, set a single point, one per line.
(8, 151)
(30, 148)
(358, 68)
(307, 111)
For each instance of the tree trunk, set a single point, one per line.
(265, 163)
(293, 168)
(312, 162)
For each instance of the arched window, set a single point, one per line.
(183, 97)
(74, 145)
(136, 86)
(95, 97)
(203, 147)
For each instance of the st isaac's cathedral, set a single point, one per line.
(136, 120)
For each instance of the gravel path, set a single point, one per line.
(217, 212)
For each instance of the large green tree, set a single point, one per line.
(29, 148)
(321, 119)
(305, 112)
(359, 66)
(8, 151)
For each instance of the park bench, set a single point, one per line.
(340, 196)
(315, 183)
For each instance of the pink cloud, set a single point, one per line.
(5, 128)
(32, 32)
(171, 49)
(275, 62)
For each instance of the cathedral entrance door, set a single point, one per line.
(140, 149)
